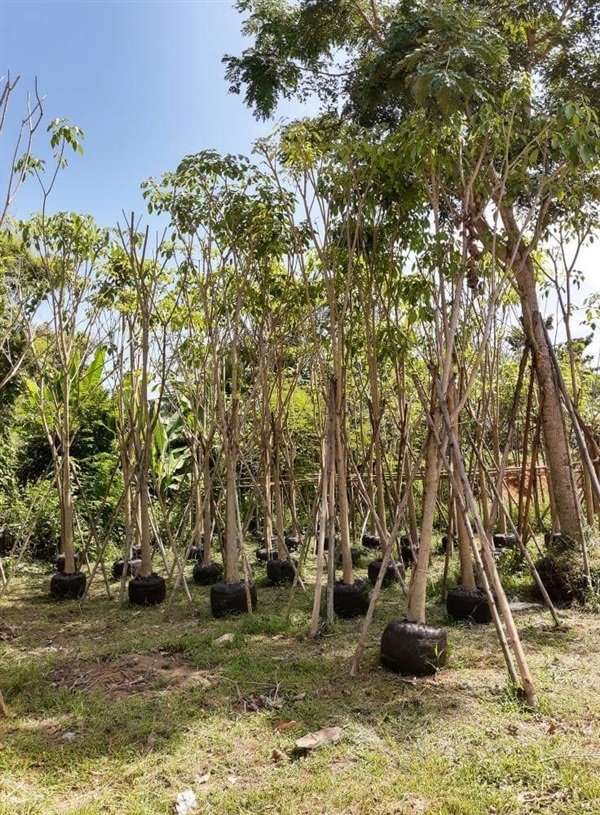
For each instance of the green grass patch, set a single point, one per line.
(118, 710)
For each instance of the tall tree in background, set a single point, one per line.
(510, 91)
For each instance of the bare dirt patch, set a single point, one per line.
(132, 674)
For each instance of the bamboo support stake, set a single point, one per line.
(488, 562)
(328, 464)
(523, 548)
(331, 554)
(461, 506)
(524, 527)
(523, 511)
(242, 552)
(385, 558)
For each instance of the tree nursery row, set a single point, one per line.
(331, 351)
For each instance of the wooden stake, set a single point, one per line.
(488, 562)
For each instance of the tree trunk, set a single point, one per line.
(553, 429)
(145, 440)
(418, 586)
(340, 465)
(467, 578)
(207, 556)
(198, 520)
(66, 509)
(279, 511)
(232, 569)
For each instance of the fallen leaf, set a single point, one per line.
(233, 779)
(69, 736)
(202, 779)
(279, 755)
(512, 729)
(286, 725)
(327, 735)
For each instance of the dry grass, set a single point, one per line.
(116, 711)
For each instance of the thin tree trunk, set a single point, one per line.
(66, 500)
(207, 507)
(553, 430)
(232, 570)
(418, 585)
(467, 578)
(145, 440)
(279, 514)
(340, 464)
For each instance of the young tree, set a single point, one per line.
(70, 249)
(229, 219)
(517, 84)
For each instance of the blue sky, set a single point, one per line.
(144, 79)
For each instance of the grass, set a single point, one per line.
(118, 710)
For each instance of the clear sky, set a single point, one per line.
(144, 79)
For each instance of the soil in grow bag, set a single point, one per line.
(230, 598)
(355, 554)
(389, 576)
(406, 551)
(262, 554)
(504, 541)
(148, 591)
(563, 578)
(280, 571)
(350, 599)
(60, 562)
(67, 586)
(371, 541)
(292, 543)
(468, 605)
(413, 648)
(133, 567)
(207, 575)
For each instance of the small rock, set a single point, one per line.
(224, 639)
(327, 735)
(233, 779)
(69, 737)
(279, 755)
(186, 802)
(202, 779)
(517, 605)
